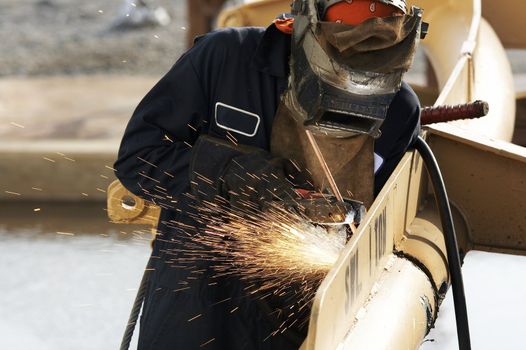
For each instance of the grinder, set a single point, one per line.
(334, 215)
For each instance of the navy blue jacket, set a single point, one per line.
(228, 85)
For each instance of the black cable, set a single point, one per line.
(450, 237)
(136, 309)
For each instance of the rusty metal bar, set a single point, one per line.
(440, 114)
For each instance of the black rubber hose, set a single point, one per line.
(455, 268)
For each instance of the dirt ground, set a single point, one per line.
(54, 37)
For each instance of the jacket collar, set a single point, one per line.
(273, 52)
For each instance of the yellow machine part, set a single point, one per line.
(479, 69)
(126, 208)
(356, 298)
(398, 252)
(486, 182)
(507, 18)
(254, 13)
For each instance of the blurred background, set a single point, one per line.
(71, 73)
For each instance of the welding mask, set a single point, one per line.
(344, 77)
(342, 81)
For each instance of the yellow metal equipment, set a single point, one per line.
(398, 253)
(126, 208)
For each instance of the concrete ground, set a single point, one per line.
(62, 292)
(494, 295)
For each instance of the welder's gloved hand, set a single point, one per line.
(247, 177)
(257, 178)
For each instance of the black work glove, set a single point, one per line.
(256, 178)
(247, 177)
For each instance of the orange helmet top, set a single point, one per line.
(354, 12)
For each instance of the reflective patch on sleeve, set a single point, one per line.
(236, 120)
(378, 162)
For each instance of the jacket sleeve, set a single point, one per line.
(399, 132)
(154, 154)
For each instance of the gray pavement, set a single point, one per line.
(495, 290)
(62, 292)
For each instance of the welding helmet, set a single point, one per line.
(344, 77)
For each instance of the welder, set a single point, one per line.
(204, 132)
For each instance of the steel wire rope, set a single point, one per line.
(136, 309)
